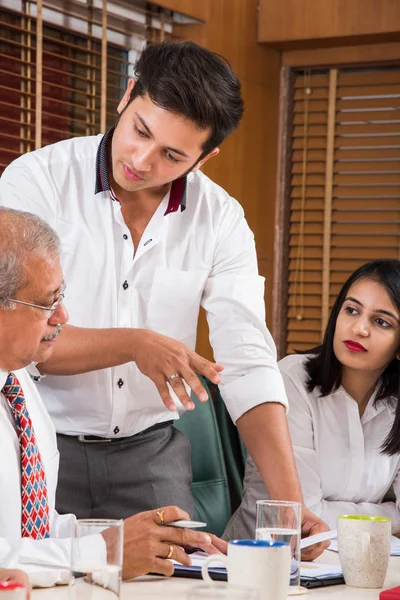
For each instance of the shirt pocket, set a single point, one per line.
(174, 303)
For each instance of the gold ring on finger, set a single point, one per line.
(171, 550)
(160, 513)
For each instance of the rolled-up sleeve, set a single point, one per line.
(234, 302)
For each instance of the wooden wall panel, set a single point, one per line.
(290, 20)
(246, 165)
(192, 8)
(343, 55)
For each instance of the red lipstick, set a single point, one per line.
(354, 346)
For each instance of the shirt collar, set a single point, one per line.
(3, 377)
(177, 196)
(371, 410)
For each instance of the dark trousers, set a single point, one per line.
(121, 478)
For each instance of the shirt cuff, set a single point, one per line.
(253, 389)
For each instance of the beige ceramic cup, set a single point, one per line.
(364, 549)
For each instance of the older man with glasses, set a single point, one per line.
(32, 314)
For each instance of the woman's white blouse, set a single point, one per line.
(338, 457)
(341, 467)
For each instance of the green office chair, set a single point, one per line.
(235, 453)
(217, 459)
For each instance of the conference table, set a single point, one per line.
(161, 588)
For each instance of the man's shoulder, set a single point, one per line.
(68, 151)
(205, 190)
(201, 183)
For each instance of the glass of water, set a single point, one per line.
(281, 521)
(96, 559)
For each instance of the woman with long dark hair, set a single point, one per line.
(344, 409)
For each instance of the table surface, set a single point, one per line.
(153, 588)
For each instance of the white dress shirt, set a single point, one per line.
(339, 462)
(50, 550)
(16, 551)
(204, 256)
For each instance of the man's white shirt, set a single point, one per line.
(204, 256)
(49, 551)
(54, 551)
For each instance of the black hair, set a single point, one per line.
(192, 82)
(324, 369)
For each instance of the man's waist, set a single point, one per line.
(96, 439)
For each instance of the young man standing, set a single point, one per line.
(146, 239)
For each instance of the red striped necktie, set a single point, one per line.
(35, 508)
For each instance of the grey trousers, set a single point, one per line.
(121, 478)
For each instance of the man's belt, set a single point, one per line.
(95, 439)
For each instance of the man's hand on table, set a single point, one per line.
(148, 543)
(311, 525)
(159, 357)
(16, 575)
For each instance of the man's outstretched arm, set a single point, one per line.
(80, 350)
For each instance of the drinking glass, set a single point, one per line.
(222, 592)
(96, 559)
(281, 521)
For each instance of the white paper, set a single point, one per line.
(312, 569)
(318, 537)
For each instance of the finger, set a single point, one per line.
(163, 390)
(314, 551)
(161, 566)
(206, 368)
(218, 544)
(178, 553)
(171, 513)
(183, 537)
(180, 391)
(194, 383)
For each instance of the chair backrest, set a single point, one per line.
(235, 453)
(217, 460)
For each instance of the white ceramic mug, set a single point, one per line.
(364, 549)
(260, 564)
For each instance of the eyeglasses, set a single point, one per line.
(48, 310)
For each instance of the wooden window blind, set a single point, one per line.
(344, 188)
(64, 66)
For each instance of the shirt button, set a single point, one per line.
(120, 383)
(116, 430)
(125, 236)
(125, 285)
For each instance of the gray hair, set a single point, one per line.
(21, 233)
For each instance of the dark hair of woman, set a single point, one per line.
(325, 371)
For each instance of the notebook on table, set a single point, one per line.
(311, 574)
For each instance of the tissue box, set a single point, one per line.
(392, 594)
